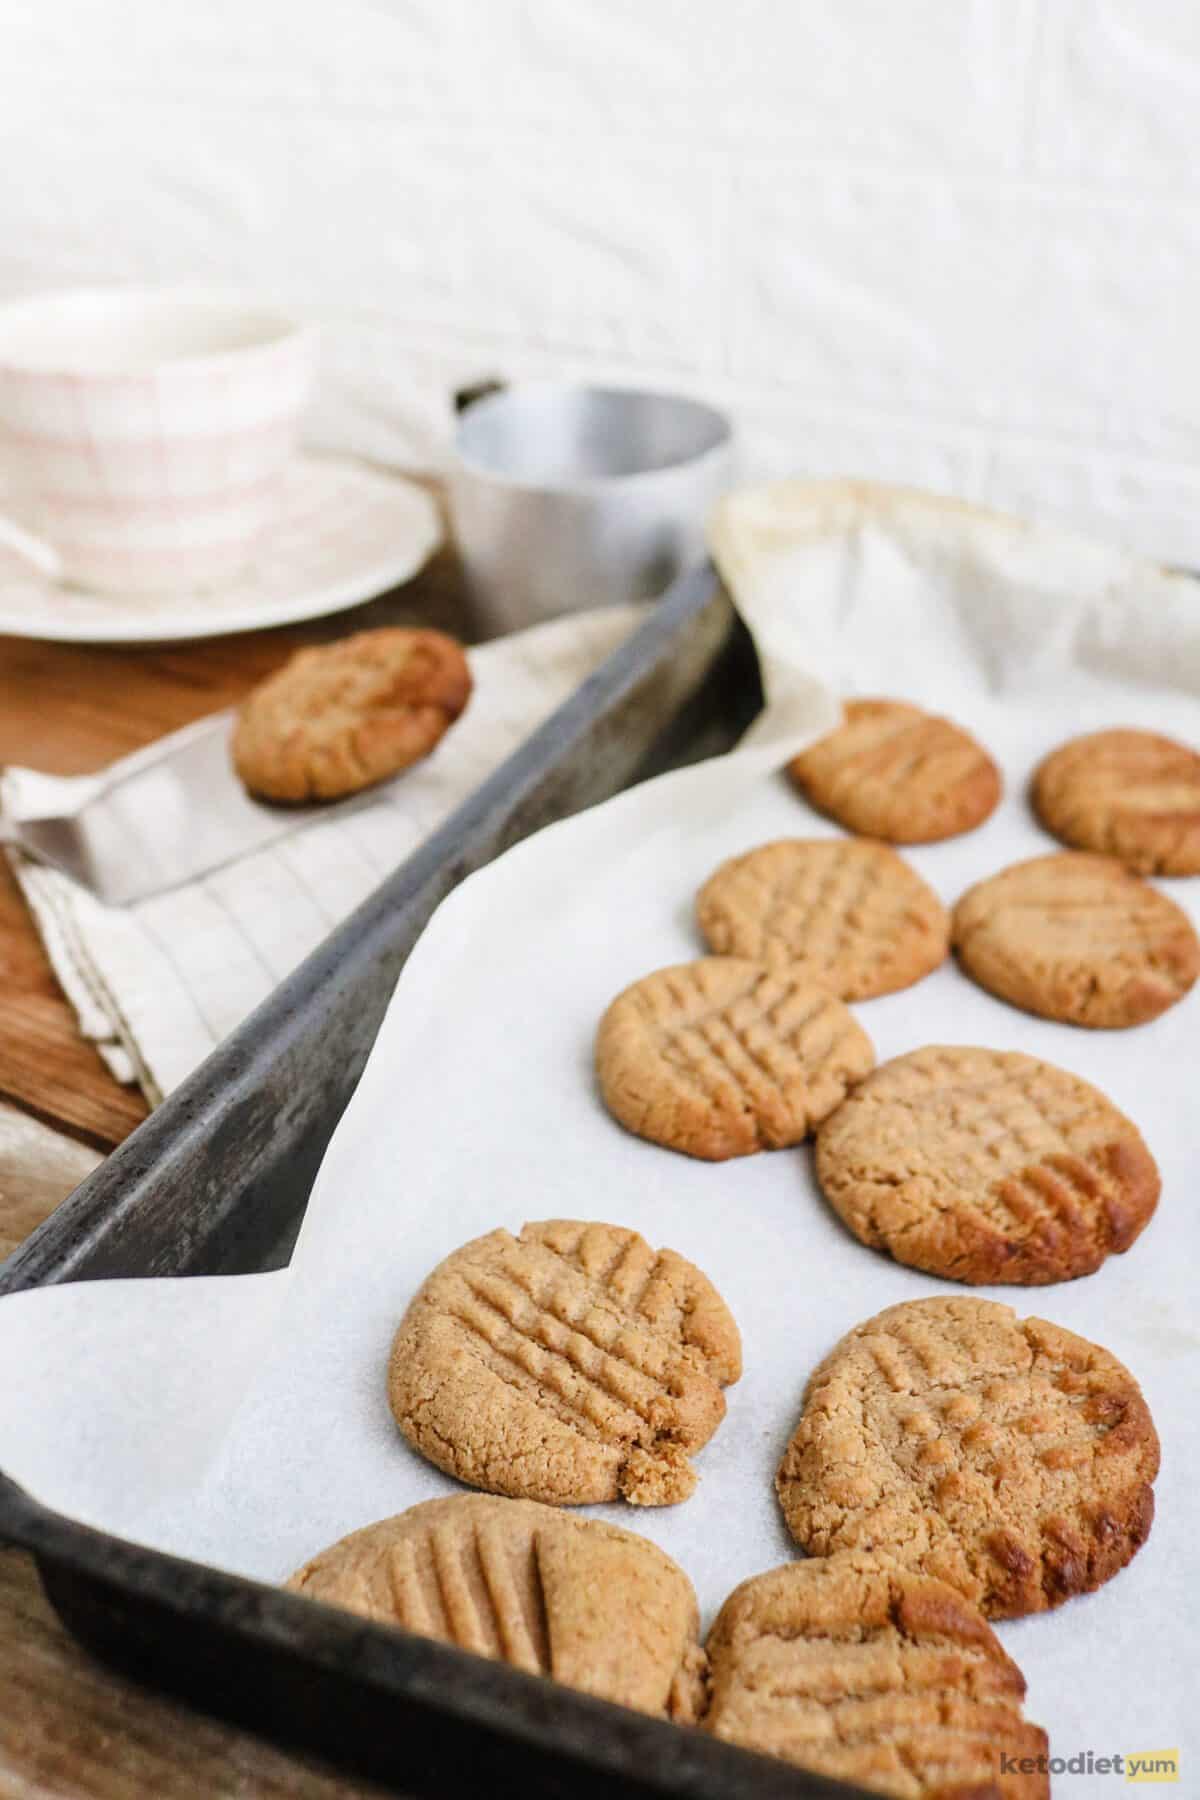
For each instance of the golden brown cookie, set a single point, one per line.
(336, 718)
(1129, 794)
(986, 1166)
(1077, 938)
(721, 1057)
(844, 912)
(572, 1364)
(892, 771)
(856, 1668)
(583, 1602)
(1003, 1455)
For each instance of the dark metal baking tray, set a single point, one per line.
(216, 1181)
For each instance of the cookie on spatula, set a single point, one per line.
(343, 716)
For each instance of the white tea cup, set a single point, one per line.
(144, 433)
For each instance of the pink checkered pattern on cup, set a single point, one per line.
(143, 436)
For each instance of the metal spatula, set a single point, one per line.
(152, 821)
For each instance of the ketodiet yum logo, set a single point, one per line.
(1126, 1765)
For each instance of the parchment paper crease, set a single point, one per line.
(245, 1421)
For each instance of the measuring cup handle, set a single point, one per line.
(35, 550)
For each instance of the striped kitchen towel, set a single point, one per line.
(158, 984)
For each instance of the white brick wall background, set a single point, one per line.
(952, 242)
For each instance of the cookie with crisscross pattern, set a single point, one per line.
(571, 1364)
(856, 1668)
(543, 1590)
(1077, 938)
(986, 1166)
(1130, 794)
(845, 912)
(893, 771)
(1003, 1455)
(721, 1057)
(338, 717)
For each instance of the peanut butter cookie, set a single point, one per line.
(892, 771)
(1079, 939)
(339, 717)
(844, 912)
(721, 1057)
(986, 1166)
(571, 1364)
(528, 1585)
(1129, 794)
(856, 1668)
(1003, 1455)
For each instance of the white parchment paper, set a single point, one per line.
(244, 1421)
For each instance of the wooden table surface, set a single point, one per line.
(68, 1728)
(69, 709)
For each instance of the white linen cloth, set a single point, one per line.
(158, 984)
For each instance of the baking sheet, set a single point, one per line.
(244, 1420)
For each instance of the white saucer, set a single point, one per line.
(344, 534)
